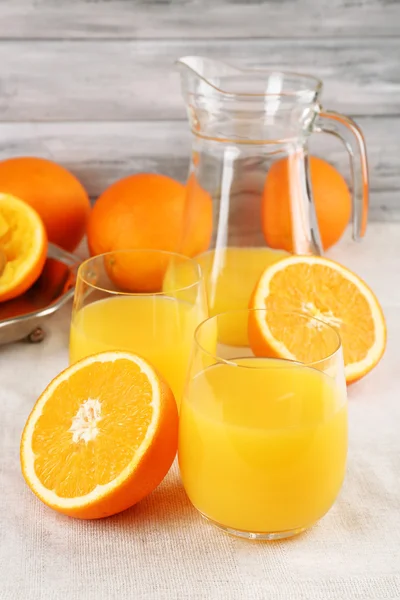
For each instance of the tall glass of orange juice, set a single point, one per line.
(262, 440)
(133, 300)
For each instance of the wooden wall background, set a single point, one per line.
(91, 83)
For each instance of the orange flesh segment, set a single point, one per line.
(23, 246)
(17, 240)
(321, 291)
(121, 402)
(3, 261)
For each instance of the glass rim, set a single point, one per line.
(289, 363)
(185, 259)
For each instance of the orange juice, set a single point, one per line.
(231, 275)
(263, 448)
(160, 328)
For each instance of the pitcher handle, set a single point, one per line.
(351, 135)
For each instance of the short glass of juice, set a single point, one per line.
(263, 440)
(144, 301)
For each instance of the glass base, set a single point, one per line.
(258, 536)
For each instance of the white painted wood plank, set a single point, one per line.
(100, 153)
(95, 80)
(197, 19)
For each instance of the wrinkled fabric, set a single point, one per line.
(161, 549)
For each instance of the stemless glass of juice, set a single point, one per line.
(263, 441)
(132, 300)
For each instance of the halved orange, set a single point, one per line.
(23, 246)
(101, 436)
(324, 289)
(3, 261)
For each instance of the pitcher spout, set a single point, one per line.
(250, 82)
(199, 74)
(247, 105)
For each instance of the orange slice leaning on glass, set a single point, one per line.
(101, 437)
(326, 290)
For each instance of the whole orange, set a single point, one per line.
(150, 211)
(197, 222)
(56, 195)
(331, 197)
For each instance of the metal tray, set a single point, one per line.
(23, 317)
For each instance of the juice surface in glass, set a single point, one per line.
(263, 448)
(231, 275)
(159, 328)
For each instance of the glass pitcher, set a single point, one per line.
(249, 199)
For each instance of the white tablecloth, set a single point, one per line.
(162, 550)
